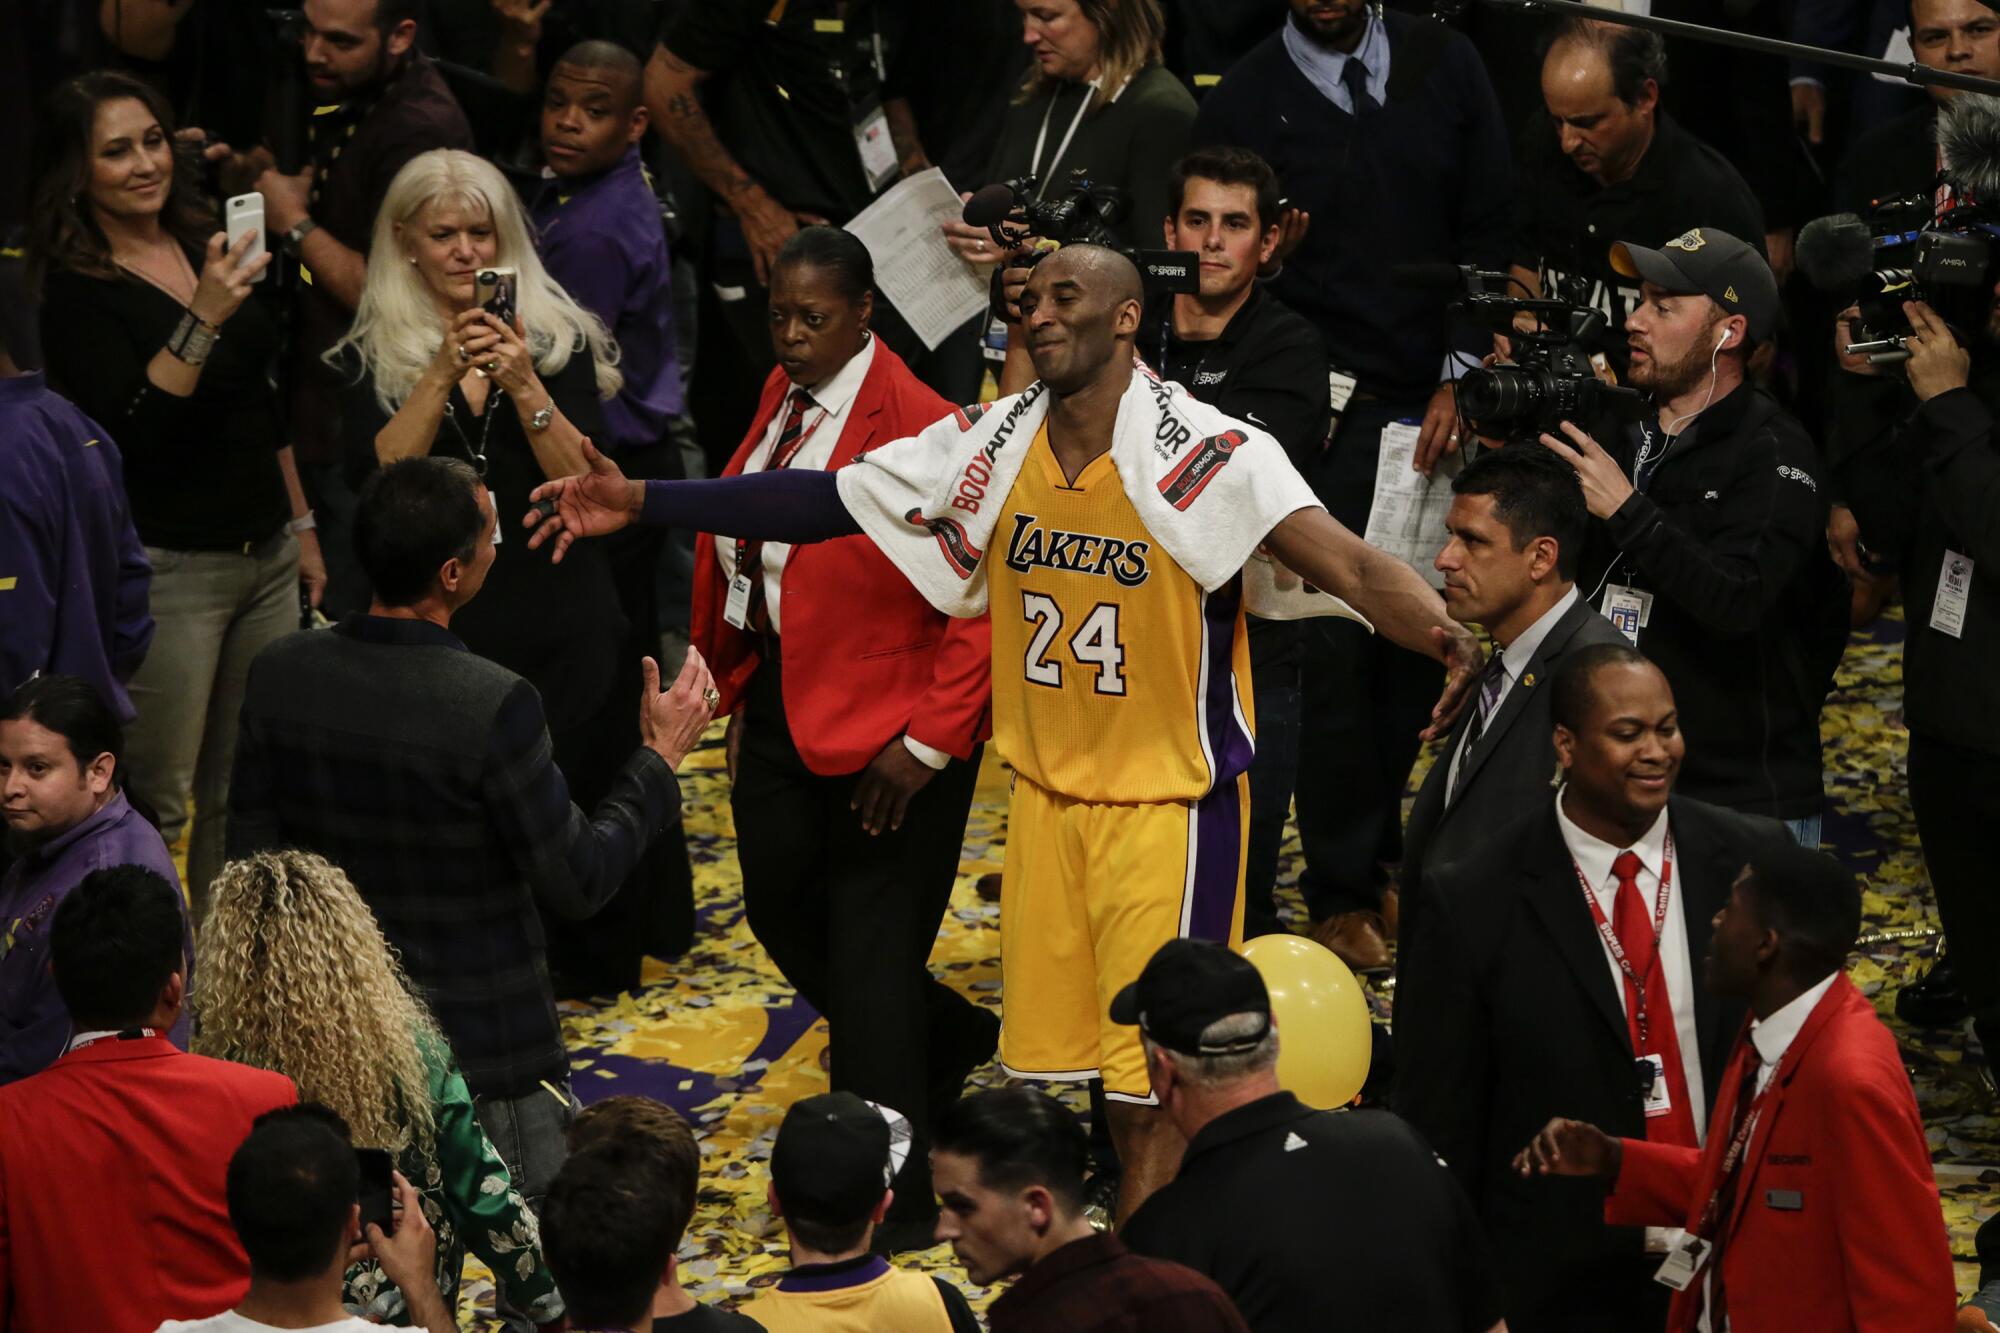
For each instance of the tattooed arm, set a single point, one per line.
(673, 98)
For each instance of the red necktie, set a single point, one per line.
(1632, 921)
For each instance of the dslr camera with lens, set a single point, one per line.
(1550, 380)
(1018, 212)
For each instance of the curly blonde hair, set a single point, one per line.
(297, 977)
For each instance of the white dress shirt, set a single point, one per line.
(825, 420)
(1594, 857)
(1322, 65)
(1514, 659)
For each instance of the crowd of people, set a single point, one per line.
(364, 366)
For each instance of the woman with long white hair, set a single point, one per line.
(430, 370)
(295, 976)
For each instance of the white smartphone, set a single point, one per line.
(245, 212)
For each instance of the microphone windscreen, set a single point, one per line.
(1427, 277)
(1836, 252)
(1969, 134)
(989, 204)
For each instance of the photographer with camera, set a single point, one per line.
(1235, 346)
(1602, 160)
(1709, 514)
(1926, 490)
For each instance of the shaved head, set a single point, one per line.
(611, 64)
(1081, 314)
(1102, 269)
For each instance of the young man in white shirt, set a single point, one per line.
(293, 1190)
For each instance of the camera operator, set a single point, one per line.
(1384, 128)
(1603, 161)
(1235, 346)
(1706, 548)
(1930, 495)
(1896, 159)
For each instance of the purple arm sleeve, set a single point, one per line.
(793, 506)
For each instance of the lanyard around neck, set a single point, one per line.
(1042, 136)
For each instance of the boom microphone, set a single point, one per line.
(1835, 253)
(1969, 135)
(989, 206)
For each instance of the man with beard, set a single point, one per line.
(1707, 548)
(1110, 522)
(65, 817)
(381, 104)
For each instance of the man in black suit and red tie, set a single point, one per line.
(1554, 972)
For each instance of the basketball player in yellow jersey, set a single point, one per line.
(1120, 687)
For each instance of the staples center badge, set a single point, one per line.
(1690, 240)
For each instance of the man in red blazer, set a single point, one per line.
(113, 1160)
(859, 710)
(1814, 1204)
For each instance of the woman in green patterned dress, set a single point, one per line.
(296, 977)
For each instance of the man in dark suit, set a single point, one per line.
(1517, 525)
(1553, 976)
(1814, 1204)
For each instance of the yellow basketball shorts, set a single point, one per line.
(1088, 893)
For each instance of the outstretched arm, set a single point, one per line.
(792, 505)
(1394, 597)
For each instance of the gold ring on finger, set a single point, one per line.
(711, 696)
(492, 367)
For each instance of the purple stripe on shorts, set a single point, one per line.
(1218, 862)
(1229, 746)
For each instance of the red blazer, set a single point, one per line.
(112, 1163)
(1836, 1222)
(866, 657)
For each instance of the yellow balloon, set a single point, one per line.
(1325, 1037)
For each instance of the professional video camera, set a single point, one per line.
(1017, 214)
(1936, 248)
(1550, 380)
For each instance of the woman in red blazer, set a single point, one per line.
(858, 713)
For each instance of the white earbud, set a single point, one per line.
(1723, 341)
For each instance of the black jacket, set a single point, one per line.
(1931, 490)
(1267, 367)
(1508, 772)
(1268, 1192)
(1749, 614)
(1506, 1017)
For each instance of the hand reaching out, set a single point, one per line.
(1570, 1148)
(1459, 649)
(590, 504)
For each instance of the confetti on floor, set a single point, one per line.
(719, 1035)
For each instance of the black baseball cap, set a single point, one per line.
(1188, 985)
(1728, 271)
(832, 1158)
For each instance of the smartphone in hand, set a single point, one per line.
(496, 292)
(245, 212)
(377, 1194)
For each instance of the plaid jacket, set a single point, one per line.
(424, 771)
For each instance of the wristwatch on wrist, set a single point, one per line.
(544, 414)
(293, 239)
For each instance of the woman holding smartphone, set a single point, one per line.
(147, 325)
(297, 977)
(430, 369)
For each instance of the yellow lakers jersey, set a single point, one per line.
(1115, 677)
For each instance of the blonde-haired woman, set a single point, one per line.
(430, 371)
(1096, 105)
(296, 977)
